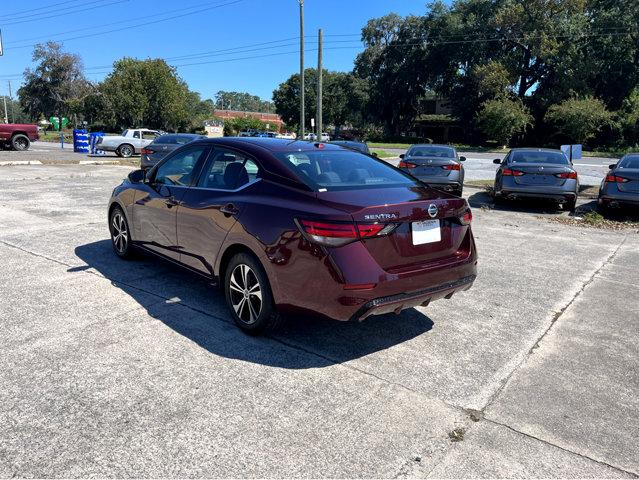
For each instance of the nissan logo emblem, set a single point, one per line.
(432, 210)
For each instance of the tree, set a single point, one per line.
(502, 118)
(579, 119)
(148, 93)
(344, 97)
(56, 81)
(241, 101)
(234, 126)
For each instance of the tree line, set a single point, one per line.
(519, 71)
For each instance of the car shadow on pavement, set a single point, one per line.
(484, 199)
(190, 306)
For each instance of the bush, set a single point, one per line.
(579, 119)
(236, 125)
(502, 118)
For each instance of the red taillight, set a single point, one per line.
(454, 166)
(359, 286)
(572, 175)
(147, 151)
(507, 172)
(338, 234)
(466, 218)
(404, 164)
(615, 179)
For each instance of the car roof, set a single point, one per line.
(270, 144)
(432, 145)
(529, 149)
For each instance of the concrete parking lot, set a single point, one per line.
(121, 369)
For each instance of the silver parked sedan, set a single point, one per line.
(439, 166)
(537, 173)
(163, 145)
(621, 185)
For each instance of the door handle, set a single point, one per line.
(171, 202)
(229, 209)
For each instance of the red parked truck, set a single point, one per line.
(18, 136)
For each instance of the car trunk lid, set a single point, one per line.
(540, 174)
(430, 166)
(412, 210)
(632, 175)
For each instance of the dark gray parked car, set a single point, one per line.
(163, 145)
(353, 145)
(537, 173)
(621, 185)
(439, 166)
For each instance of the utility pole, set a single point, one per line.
(13, 115)
(318, 121)
(6, 119)
(301, 69)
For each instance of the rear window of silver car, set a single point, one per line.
(539, 157)
(344, 170)
(431, 151)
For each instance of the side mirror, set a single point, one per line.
(612, 165)
(497, 161)
(402, 156)
(462, 159)
(374, 154)
(137, 176)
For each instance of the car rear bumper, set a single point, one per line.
(618, 199)
(397, 303)
(450, 186)
(527, 191)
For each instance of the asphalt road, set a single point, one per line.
(479, 165)
(111, 368)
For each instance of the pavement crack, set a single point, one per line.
(553, 321)
(546, 442)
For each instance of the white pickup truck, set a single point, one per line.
(131, 142)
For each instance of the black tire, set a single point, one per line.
(458, 192)
(126, 150)
(20, 143)
(120, 234)
(570, 205)
(248, 295)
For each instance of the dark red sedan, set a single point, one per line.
(297, 228)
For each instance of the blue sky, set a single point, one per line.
(105, 30)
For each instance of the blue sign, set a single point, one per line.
(573, 152)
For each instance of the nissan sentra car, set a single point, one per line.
(297, 228)
(439, 166)
(536, 173)
(620, 187)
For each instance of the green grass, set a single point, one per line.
(383, 153)
(389, 145)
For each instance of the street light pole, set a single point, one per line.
(318, 122)
(301, 69)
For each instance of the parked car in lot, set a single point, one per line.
(537, 173)
(353, 145)
(163, 145)
(18, 136)
(620, 187)
(313, 136)
(131, 142)
(439, 166)
(295, 227)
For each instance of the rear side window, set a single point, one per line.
(631, 161)
(228, 170)
(539, 157)
(343, 170)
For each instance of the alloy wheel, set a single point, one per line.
(246, 293)
(119, 233)
(126, 151)
(21, 144)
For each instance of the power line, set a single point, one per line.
(61, 14)
(146, 22)
(58, 5)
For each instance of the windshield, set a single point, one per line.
(631, 161)
(431, 151)
(344, 170)
(124, 133)
(539, 157)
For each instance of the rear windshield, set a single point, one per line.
(631, 161)
(344, 170)
(179, 139)
(539, 157)
(431, 151)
